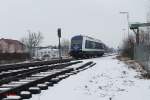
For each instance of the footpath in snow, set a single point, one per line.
(109, 79)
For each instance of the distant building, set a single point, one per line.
(11, 46)
(46, 53)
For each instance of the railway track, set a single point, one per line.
(33, 64)
(7, 72)
(27, 80)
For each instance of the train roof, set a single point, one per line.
(89, 38)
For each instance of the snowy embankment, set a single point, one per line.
(109, 79)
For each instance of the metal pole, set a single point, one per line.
(59, 46)
(124, 34)
(128, 23)
(127, 14)
(59, 49)
(137, 36)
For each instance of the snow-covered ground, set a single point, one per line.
(109, 79)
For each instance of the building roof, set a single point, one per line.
(11, 41)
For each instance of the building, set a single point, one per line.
(11, 46)
(46, 53)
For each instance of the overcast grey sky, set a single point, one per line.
(97, 18)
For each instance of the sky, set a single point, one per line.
(99, 19)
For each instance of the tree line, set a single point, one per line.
(34, 39)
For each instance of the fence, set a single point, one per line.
(6, 58)
(142, 55)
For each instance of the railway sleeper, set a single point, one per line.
(35, 90)
(25, 94)
(42, 86)
(16, 97)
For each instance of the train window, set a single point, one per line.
(93, 45)
(89, 44)
(99, 46)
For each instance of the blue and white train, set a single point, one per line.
(86, 47)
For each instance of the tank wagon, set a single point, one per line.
(86, 47)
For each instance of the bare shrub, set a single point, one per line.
(128, 47)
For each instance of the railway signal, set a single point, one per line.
(59, 32)
(59, 46)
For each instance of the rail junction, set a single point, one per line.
(20, 81)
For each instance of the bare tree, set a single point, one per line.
(144, 37)
(32, 41)
(128, 46)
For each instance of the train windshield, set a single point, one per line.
(76, 43)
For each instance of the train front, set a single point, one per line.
(76, 46)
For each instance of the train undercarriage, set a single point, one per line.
(86, 54)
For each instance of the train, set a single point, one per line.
(86, 47)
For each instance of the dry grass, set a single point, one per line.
(132, 64)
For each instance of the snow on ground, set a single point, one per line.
(109, 78)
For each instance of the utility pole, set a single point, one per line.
(127, 14)
(124, 33)
(59, 45)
